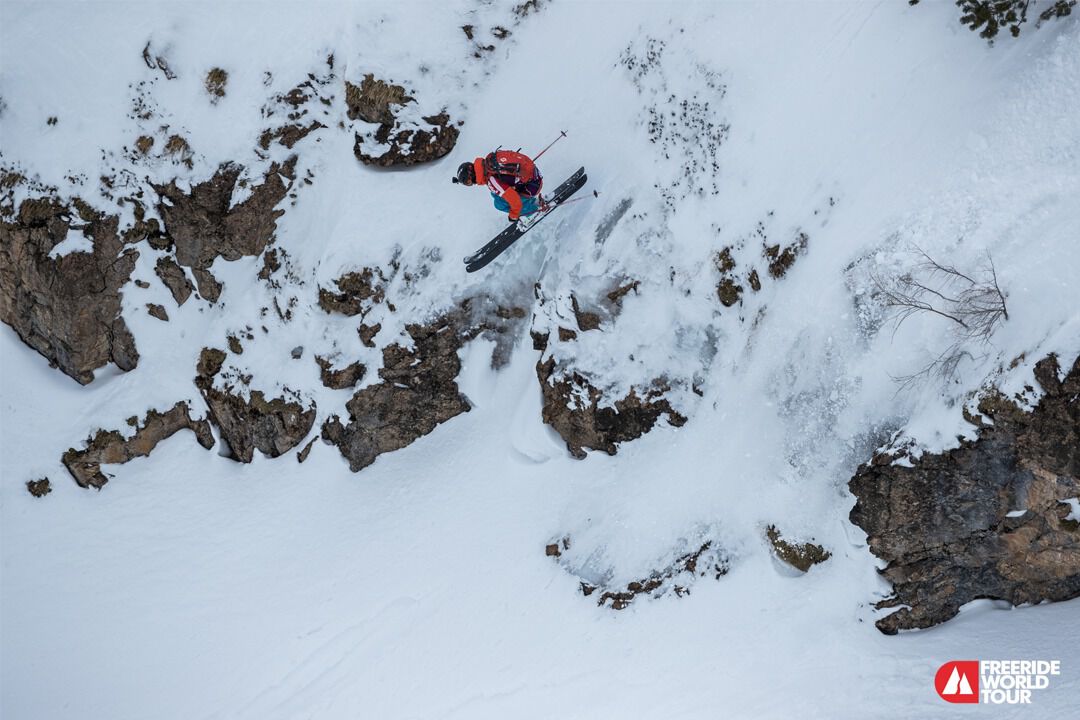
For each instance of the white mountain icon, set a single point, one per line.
(958, 684)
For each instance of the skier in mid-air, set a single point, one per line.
(515, 183)
(513, 179)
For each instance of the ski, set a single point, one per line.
(509, 236)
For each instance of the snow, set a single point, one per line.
(193, 586)
(74, 242)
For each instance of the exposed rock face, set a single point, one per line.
(272, 426)
(357, 292)
(68, 307)
(591, 426)
(947, 525)
(398, 140)
(109, 446)
(371, 100)
(801, 556)
(585, 320)
(204, 225)
(418, 392)
(346, 377)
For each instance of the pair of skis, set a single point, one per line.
(501, 242)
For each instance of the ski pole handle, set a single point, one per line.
(562, 134)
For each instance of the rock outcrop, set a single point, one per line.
(572, 408)
(399, 139)
(272, 426)
(418, 392)
(204, 224)
(342, 378)
(67, 306)
(110, 446)
(357, 293)
(986, 520)
(799, 555)
(172, 275)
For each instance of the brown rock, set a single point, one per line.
(592, 426)
(728, 292)
(418, 392)
(368, 333)
(288, 135)
(174, 278)
(781, 259)
(210, 362)
(705, 560)
(754, 280)
(272, 426)
(585, 320)
(801, 556)
(303, 454)
(371, 100)
(616, 295)
(67, 308)
(347, 377)
(943, 526)
(409, 143)
(357, 293)
(204, 225)
(39, 488)
(111, 447)
(209, 287)
(157, 311)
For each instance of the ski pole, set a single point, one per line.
(583, 197)
(562, 134)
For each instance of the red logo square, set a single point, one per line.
(957, 681)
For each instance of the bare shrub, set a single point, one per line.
(974, 303)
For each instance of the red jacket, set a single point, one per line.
(511, 175)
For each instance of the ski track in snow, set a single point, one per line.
(192, 586)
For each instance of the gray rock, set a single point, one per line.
(943, 525)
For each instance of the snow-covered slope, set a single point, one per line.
(841, 133)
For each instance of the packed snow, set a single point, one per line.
(193, 586)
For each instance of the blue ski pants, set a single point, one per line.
(529, 205)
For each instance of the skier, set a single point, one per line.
(513, 179)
